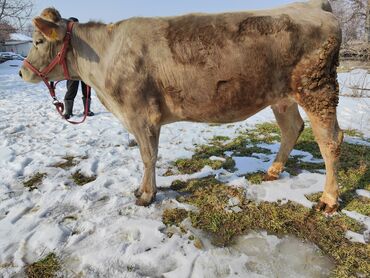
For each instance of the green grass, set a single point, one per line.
(44, 268)
(193, 165)
(255, 178)
(353, 170)
(80, 179)
(174, 216)
(295, 166)
(211, 198)
(359, 204)
(354, 133)
(33, 182)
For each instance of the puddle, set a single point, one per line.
(260, 255)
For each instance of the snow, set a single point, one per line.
(355, 237)
(353, 82)
(97, 229)
(363, 193)
(362, 219)
(288, 188)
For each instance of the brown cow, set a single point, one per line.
(208, 68)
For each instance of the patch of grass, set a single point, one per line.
(68, 163)
(220, 138)
(34, 181)
(70, 218)
(204, 152)
(263, 133)
(81, 179)
(192, 185)
(6, 265)
(212, 197)
(193, 165)
(213, 215)
(294, 166)
(45, 268)
(314, 197)
(255, 178)
(351, 180)
(353, 133)
(359, 204)
(306, 142)
(354, 156)
(174, 216)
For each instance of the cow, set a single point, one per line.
(214, 68)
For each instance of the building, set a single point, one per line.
(18, 43)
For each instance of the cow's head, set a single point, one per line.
(50, 29)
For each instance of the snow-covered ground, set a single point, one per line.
(97, 229)
(355, 83)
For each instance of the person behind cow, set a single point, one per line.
(72, 88)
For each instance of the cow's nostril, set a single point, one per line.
(20, 73)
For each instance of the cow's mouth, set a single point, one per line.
(28, 77)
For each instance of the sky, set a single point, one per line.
(114, 10)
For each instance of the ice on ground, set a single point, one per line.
(97, 229)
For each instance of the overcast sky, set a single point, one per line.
(114, 10)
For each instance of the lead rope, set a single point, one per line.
(60, 106)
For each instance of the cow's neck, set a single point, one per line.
(89, 45)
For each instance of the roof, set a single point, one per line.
(16, 42)
(19, 37)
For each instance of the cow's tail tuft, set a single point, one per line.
(321, 4)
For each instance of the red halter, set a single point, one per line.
(61, 60)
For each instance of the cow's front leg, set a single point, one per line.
(147, 137)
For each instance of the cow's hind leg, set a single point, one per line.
(147, 137)
(316, 89)
(329, 137)
(291, 126)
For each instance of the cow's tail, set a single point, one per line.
(321, 4)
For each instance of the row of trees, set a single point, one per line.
(14, 16)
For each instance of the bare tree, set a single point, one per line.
(352, 16)
(5, 31)
(15, 12)
(27, 29)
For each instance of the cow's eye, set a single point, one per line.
(39, 41)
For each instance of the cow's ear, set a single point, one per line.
(52, 31)
(51, 14)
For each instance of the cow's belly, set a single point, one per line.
(224, 114)
(223, 100)
(223, 107)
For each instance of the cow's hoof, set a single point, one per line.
(268, 177)
(326, 208)
(138, 193)
(145, 200)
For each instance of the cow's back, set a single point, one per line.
(225, 67)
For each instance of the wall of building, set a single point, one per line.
(21, 48)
